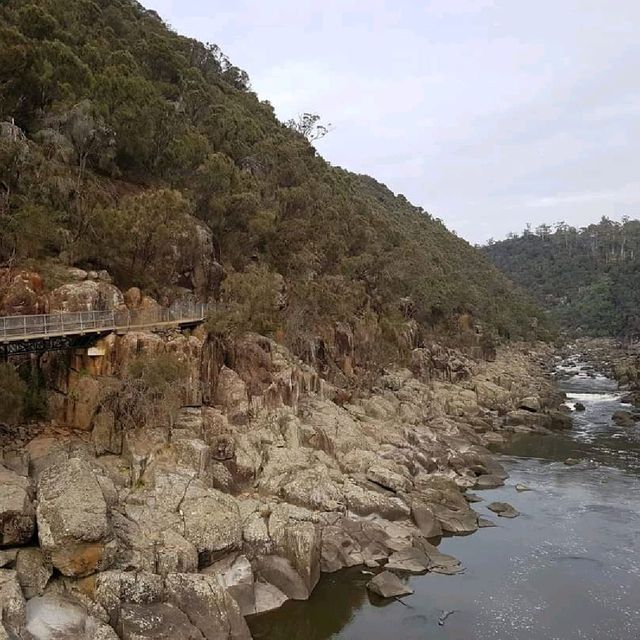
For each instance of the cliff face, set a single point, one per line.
(264, 476)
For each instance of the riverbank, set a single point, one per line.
(267, 479)
(564, 568)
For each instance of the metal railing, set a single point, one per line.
(74, 323)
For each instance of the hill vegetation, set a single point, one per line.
(588, 278)
(129, 137)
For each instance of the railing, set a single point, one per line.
(68, 323)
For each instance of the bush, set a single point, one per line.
(151, 393)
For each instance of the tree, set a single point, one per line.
(309, 125)
(148, 237)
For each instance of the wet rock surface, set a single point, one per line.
(388, 585)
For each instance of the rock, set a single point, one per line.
(530, 403)
(425, 520)
(231, 393)
(570, 462)
(17, 515)
(281, 573)
(522, 487)
(472, 497)
(388, 479)
(485, 523)
(175, 554)
(72, 516)
(208, 605)
(115, 589)
(236, 574)
(211, 521)
(8, 558)
(56, 618)
(411, 560)
(440, 562)
(267, 597)
(13, 613)
(87, 295)
(488, 481)
(559, 420)
(503, 509)
(624, 418)
(157, 621)
(21, 293)
(33, 571)
(578, 406)
(366, 502)
(388, 585)
(223, 447)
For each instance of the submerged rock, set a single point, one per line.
(485, 523)
(388, 585)
(624, 418)
(410, 560)
(503, 509)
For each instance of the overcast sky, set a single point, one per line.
(489, 114)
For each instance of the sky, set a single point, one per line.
(490, 114)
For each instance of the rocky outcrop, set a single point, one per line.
(267, 476)
(87, 295)
(73, 520)
(21, 293)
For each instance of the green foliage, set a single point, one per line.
(134, 131)
(588, 278)
(12, 395)
(253, 300)
(144, 234)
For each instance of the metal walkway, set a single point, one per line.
(26, 334)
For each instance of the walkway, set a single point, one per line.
(55, 330)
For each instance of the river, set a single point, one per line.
(567, 568)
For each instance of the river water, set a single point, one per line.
(567, 568)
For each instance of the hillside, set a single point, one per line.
(589, 278)
(137, 150)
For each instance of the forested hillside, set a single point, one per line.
(588, 278)
(129, 137)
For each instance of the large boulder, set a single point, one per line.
(57, 618)
(88, 295)
(21, 293)
(280, 572)
(73, 519)
(115, 589)
(157, 621)
(208, 605)
(17, 515)
(211, 521)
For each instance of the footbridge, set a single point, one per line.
(65, 330)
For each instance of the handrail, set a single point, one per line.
(79, 322)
